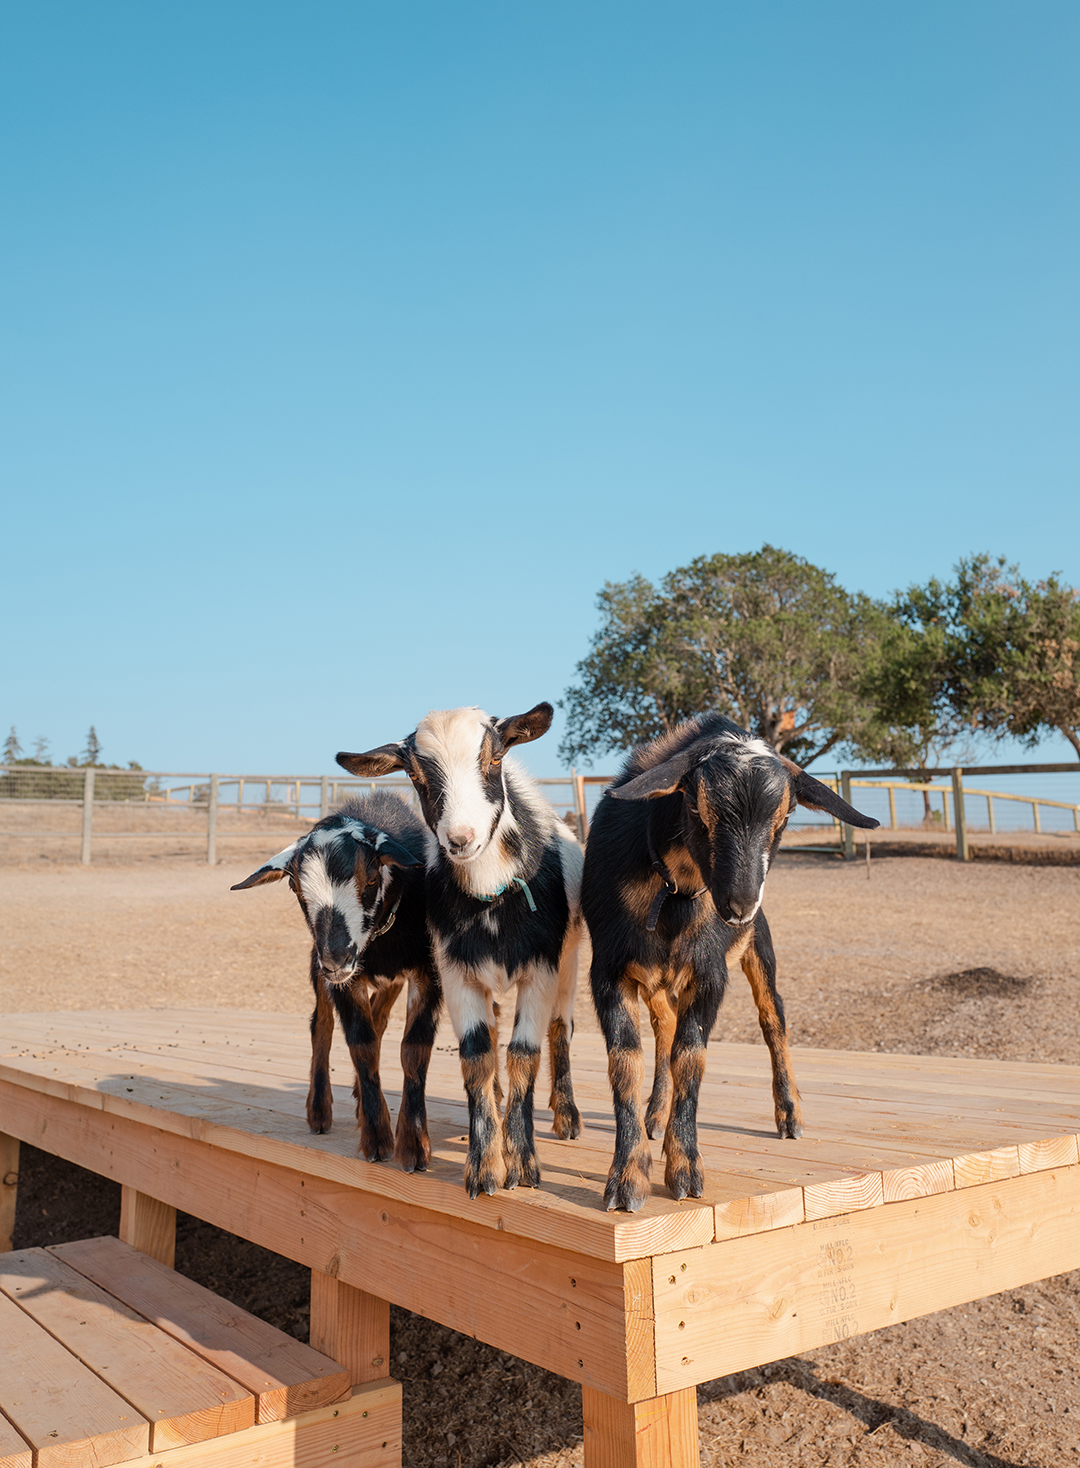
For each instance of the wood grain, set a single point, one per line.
(747, 1301)
(66, 1413)
(351, 1327)
(284, 1375)
(148, 1225)
(9, 1183)
(363, 1430)
(15, 1451)
(659, 1433)
(184, 1399)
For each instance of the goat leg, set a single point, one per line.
(759, 966)
(519, 1148)
(566, 1120)
(320, 1098)
(628, 1179)
(684, 1174)
(412, 1147)
(662, 1016)
(363, 1037)
(485, 1170)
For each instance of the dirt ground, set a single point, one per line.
(924, 956)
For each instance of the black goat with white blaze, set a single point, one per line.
(503, 908)
(359, 877)
(675, 869)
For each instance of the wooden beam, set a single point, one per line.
(740, 1303)
(351, 1327)
(148, 1225)
(659, 1433)
(560, 1310)
(9, 1187)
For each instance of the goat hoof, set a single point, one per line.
(523, 1172)
(484, 1177)
(686, 1180)
(627, 1189)
(567, 1122)
(789, 1127)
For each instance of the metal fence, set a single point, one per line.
(88, 805)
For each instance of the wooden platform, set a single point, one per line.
(919, 1183)
(109, 1357)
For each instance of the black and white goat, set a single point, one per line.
(503, 908)
(359, 876)
(675, 868)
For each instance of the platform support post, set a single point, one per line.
(351, 1327)
(9, 1186)
(148, 1225)
(659, 1433)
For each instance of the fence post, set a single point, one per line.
(849, 833)
(945, 809)
(87, 815)
(211, 823)
(577, 785)
(324, 797)
(892, 807)
(960, 815)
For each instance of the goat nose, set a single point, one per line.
(460, 837)
(741, 907)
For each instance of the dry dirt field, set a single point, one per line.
(924, 956)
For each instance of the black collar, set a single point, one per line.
(670, 887)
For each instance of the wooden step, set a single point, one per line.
(284, 1375)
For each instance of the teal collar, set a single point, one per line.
(514, 882)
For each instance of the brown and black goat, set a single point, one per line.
(359, 878)
(675, 868)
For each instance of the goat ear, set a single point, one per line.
(388, 852)
(392, 853)
(375, 762)
(524, 727)
(273, 871)
(663, 779)
(816, 796)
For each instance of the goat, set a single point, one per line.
(675, 868)
(503, 908)
(358, 876)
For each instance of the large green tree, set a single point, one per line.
(1017, 651)
(766, 638)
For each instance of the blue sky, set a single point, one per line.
(349, 349)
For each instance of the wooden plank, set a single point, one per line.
(845, 1195)
(148, 1225)
(66, 1413)
(777, 1209)
(184, 1399)
(659, 1433)
(569, 1215)
(640, 1329)
(742, 1302)
(351, 1327)
(1047, 1153)
(284, 1375)
(512, 1292)
(986, 1167)
(364, 1430)
(15, 1451)
(9, 1184)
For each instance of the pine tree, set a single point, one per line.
(12, 748)
(92, 752)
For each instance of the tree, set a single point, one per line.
(767, 638)
(12, 748)
(41, 750)
(909, 686)
(91, 755)
(1018, 652)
